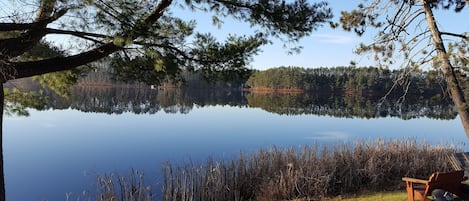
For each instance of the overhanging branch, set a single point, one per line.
(15, 26)
(32, 68)
(157, 12)
(12, 47)
(27, 26)
(181, 53)
(35, 33)
(80, 34)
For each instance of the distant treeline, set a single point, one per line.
(378, 81)
(104, 75)
(347, 79)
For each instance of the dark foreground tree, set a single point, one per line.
(408, 30)
(145, 41)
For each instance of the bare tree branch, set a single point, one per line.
(462, 36)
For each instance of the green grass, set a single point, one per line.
(380, 196)
(372, 196)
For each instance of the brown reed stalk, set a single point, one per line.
(132, 189)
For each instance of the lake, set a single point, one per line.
(111, 130)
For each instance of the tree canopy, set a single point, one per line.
(145, 37)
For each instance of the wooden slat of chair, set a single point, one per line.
(459, 161)
(455, 161)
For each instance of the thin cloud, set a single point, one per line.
(48, 125)
(329, 135)
(333, 39)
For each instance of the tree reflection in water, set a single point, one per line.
(141, 99)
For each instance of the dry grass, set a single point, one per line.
(130, 188)
(310, 173)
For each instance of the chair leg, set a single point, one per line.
(410, 191)
(421, 197)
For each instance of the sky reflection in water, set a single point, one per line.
(54, 152)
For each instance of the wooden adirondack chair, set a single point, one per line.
(420, 189)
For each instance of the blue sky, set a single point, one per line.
(325, 47)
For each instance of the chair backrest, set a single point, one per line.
(450, 181)
(460, 161)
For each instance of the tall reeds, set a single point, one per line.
(130, 188)
(311, 172)
(306, 173)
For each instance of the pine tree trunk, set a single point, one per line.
(2, 175)
(454, 87)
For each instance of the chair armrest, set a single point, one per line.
(414, 180)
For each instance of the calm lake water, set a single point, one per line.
(63, 148)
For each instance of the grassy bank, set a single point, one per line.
(379, 196)
(309, 173)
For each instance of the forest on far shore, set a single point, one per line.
(356, 80)
(374, 81)
(349, 80)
